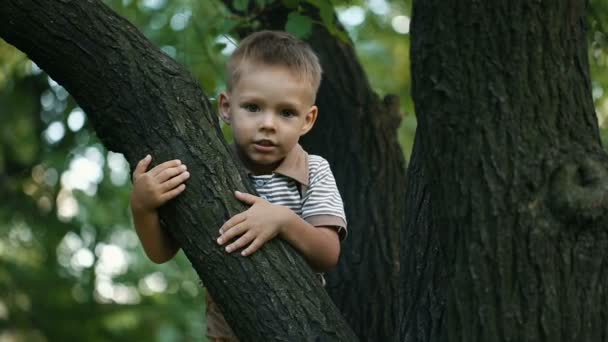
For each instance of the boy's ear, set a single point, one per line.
(310, 119)
(224, 107)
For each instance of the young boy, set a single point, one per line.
(269, 103)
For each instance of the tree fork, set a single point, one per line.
(139, 101)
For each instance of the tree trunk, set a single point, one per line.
(357, 133)
(519, 182)
(140, 101)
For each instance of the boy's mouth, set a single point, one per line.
(264, 142)
(264, 146)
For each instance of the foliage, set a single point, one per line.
(71, 267)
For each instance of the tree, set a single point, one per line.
(97, 50)
(515, 176)
(426, 265)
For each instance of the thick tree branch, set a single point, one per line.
(139, 101)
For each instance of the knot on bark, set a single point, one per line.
(579, 190)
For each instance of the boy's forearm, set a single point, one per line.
(158, 245)
(319, 245)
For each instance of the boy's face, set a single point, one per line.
(269, 108)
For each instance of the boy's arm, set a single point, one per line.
(151, 189)
(264, 221)
(159, 246)
(323, 211)
(319, 245)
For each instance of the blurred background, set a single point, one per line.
(71, 267)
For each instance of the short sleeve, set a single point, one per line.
(322, 204)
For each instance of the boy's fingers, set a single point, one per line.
(161, 167)
(240, 243)
(232, 233)
(171, 194)
(245, 197)
(142, 165)
(175, 181)
(233, 221)
(253, 247)
(169, 173)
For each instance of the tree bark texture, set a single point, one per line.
(423, 277)
(517, 174)
(356, 131)
(141, 101)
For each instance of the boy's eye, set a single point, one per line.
(250, 107)
(288, 113)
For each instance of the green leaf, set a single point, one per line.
(218, 47)
(327, 14)
(228, 25)
(298, 25)
(241, 5)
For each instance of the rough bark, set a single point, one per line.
(140, 100)
(519, 183)
(357, 133)
(423, 277)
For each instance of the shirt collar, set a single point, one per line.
(295, 165)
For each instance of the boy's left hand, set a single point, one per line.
(254, 226)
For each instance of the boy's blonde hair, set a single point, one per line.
(275, 48)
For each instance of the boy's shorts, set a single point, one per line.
(217, 327)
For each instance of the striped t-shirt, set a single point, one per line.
(318, 202)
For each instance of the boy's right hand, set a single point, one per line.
(155, 187)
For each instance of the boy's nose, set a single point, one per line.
(268, 121)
